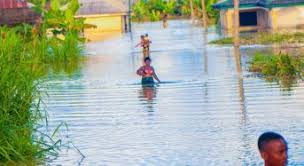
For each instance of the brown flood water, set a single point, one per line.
(209, 111)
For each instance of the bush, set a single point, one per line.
(154, 16)
(151, 8)
(282, 67)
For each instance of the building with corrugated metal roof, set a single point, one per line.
(263, 14)
(14, 12)
(106, 15)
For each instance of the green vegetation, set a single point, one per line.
(153, 10)
(27, 54)
(265, 38)
(283, 68)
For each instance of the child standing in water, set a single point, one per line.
(145, 44)
(147, 73)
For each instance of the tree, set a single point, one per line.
(205, 16)
(236, 23)
(192, 10)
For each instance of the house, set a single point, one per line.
(108, 16)
(263, 14)
(14, 12)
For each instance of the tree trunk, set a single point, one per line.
(205, 16)
(192, 11)
(236, 23)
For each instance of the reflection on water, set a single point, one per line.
(148, 93)
(209, 111)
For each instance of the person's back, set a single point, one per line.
(273, 149)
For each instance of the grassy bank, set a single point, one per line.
(283, 68)
(27, 54)
(265, 38)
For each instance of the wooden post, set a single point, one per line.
(205, 16)
(236, 23)
(192, 11)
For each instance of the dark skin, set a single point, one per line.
(141, 70)
(274, 153)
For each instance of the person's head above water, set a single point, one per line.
(273, 149)
(147, 61)
(142, 36)
(147, 35)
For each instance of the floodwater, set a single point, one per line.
(209, 111)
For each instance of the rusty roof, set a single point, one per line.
(13, 4)
(95, 7)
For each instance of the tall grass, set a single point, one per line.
(25, 58)
(18, 90)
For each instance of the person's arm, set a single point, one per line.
(140, 71)
(155, 76)
(138, 44)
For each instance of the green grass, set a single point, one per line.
(283, 67)
(25, 59)
(265, 38)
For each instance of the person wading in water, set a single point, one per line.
(165, 20)
(145, 44)
(147, 73)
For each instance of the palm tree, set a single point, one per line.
(236, 23)
(205, 16)
(192, 10)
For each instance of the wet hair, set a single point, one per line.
(142, 36)
(147, 35)
(147, 59)
(267, 137)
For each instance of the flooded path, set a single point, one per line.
(209, 111)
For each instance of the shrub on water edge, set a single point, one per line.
(224, 41)
(265, 38)
(283, 67)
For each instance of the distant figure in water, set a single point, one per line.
(148, 73)
(165, 20)
(145, 44)
(273, 149)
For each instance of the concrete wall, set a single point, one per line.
(105, 24)
(289, 17)
(227, 19)
(275, 19)
(263, 19)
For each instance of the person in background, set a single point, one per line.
(147, 73)
(273, 149)
(145, 45)
(165, 20)
(147, 42)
